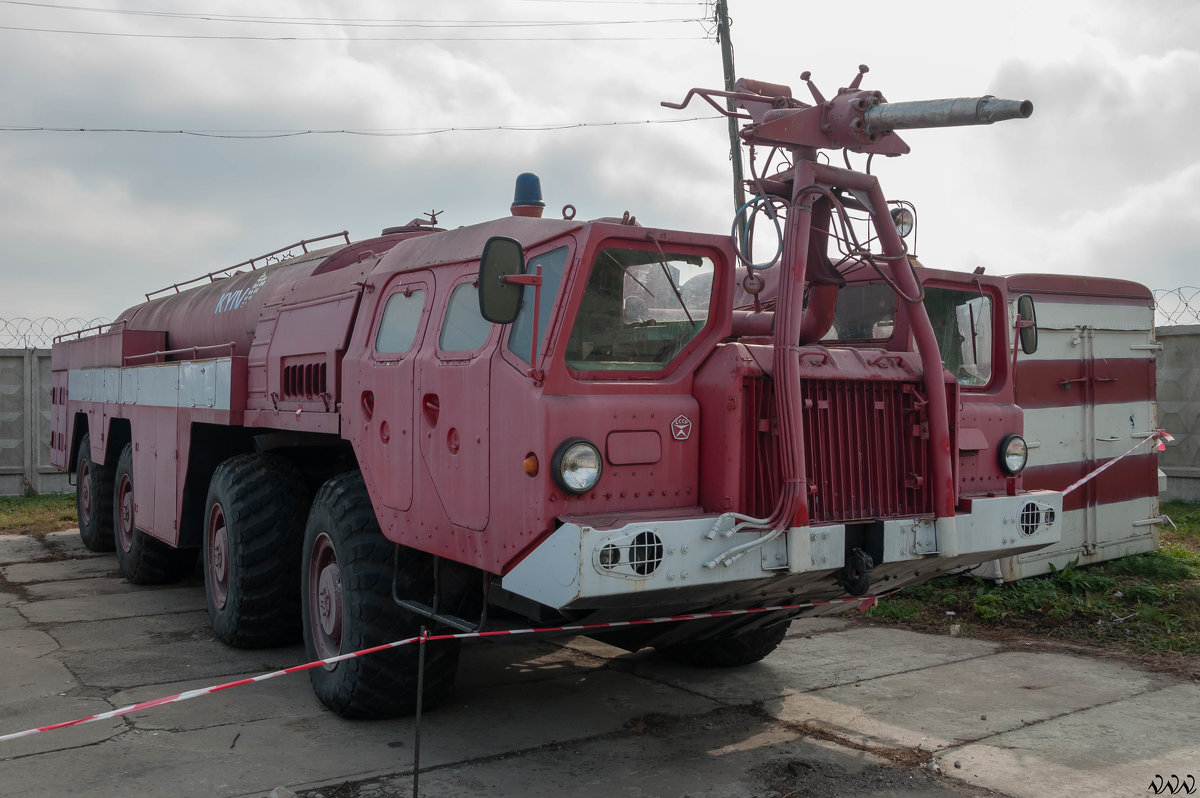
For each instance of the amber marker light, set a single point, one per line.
(531, 465)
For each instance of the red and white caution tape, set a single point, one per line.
(865, 602)
(1162, 436)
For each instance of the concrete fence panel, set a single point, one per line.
(1179, 408)
(25, 424)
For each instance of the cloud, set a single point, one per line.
(49, 203)
(1105, 121)
(88, 245)
(121, 214)
(1149, 235)
(1100, 180)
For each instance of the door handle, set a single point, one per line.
(432, 408)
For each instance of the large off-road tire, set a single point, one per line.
(144, 560)
(728, 652)
(253, 532)
(347, 571)
(94, 499)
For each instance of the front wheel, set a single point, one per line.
(347, 606)
(728, 652)
(144, 560)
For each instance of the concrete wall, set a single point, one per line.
(25, 424)
(1179, 408)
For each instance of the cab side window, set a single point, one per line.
(962, 321)
(521, 338)
(400, 322)
(464, 329)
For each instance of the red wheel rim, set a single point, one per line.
(218, 557)
(85, 492)
(125, 513)
(325, 608)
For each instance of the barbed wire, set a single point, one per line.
(22, 333)
(1177, 305)
(1171, 306)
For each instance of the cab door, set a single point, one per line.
(453, 403)
(382, 379)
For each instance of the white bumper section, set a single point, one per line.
(580, 562)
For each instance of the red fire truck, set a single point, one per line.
(536, 420)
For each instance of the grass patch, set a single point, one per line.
(1146, 604)
(47, 512)
(1186, 531)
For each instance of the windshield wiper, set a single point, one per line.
(662, 261)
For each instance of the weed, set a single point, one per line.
(1185, 527)
(1168, 564)
(1077, 582)
(991, 608)
(1142, 593)
(900, 610)
(1186, 515)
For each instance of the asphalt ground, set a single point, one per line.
(843, 708)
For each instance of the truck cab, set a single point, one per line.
(440, 398)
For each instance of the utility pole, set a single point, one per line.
(735, 143)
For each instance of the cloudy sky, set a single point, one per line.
(1103, 179)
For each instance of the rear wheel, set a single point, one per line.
(94, 499)
(254, 528)
(144, 560)
(348, 606)
(728, 652)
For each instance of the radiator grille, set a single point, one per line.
(864, 449)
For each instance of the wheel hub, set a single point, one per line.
(329, 601)
(324, 589)
(125, 512)
(218, 557)
(85, 493)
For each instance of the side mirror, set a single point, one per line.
(1027, 324)
(499, 297)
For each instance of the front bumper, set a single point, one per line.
(682, 564)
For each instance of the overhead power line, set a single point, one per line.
(620, 2)
(349, 21)
(379, 132)
(358, 38)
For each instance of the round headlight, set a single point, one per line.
(577, 466)
(903, 219)
(1013, 454)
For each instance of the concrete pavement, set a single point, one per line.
(843, 708)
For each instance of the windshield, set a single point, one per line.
(961, 323)
(864, 313)
(641, 308)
